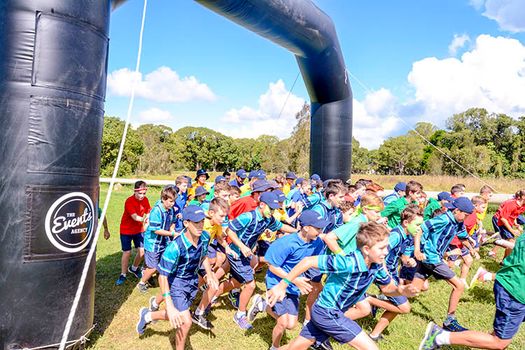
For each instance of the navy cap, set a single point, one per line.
(219, 179)
(261, 175)
(445, 196)
(299, 181)
(312, 218)
(242, 173)
(315, 177)
(200, 191)
(400, 186)
(201, 172)
(252, 174)
(193, 213)
(260, 186)
(462, 203)
(280, 195)
(291, 175)
(273, 184)
(270, 199)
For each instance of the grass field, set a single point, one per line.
(116, 308)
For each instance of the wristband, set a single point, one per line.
(167, 294)
(339, 251)
(173, 233)
(287, 281)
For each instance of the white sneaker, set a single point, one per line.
(478, 276)
(258, 305)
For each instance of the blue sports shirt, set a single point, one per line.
(159, 219)
(390, 198)
(438, 232)
(398, 244)
(249, 226)
(333, 215)
(286, 252)
(180, 203)
(348, 279)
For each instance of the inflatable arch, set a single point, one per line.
(53, 66)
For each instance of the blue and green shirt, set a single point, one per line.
(437, 234)
(399, 243)
(160, 218)
(332, 214)
(249, 226)
(349, 278)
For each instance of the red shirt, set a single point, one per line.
(128, 226)
(243, 205)
(510, 211)
(470, 222)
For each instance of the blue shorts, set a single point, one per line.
(183, 293)
(152, 259)
(399, 300)
(212, 249)
(137, 239)
(240, 269)
(440, 271)
(289, 305)
(502, 230)
(325, 323)
(262, 247)
(313, 275)
(510, 313)
(407, 273)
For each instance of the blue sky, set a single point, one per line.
(408, 61)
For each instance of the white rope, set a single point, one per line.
(108, 196)
(289, 93)
(424, 138)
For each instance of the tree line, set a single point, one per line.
(486, 144)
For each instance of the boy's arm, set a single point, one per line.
(300, 282)
(417, 246)
(246, 251)
(330, 239)
(509, 227)
(211, 280)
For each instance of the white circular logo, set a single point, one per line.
(70, 222)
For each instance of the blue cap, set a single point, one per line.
(280, 195)
(462, 203)
(242, 173)
(291, 175)
(200, 191)
(312, 218)
(219, 179)
(315, 177)
(201, 172)
(260, 186)
(252, 174)
(400, 186)
(270, 199)
(445, 196)
(193, 213)
(261, 175)
(299, 181)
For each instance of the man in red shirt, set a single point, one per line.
(136, 209)
(249, 203)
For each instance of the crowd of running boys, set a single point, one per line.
(328, 240)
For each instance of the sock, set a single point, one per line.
(199, 312)
(134, 268)
(147, 318)
(273, 348)
(142, 283)
(154, 304)
(449, 318)
(123, 274)
(235, 290)
(239, 314)
(443, 338)
(214, 299)
(487, 276)
(305, 322)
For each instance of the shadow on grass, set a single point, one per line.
(482, 295)
(109, 297)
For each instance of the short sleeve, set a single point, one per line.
(336, 263)
(382, 276)
(240, 222)
(274, 224)
(278, 252)
(155, 219)
(169, 260)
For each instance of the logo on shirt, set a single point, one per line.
(70, 222)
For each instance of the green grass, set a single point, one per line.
(116, 308)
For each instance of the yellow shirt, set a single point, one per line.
(214, 230)
(245, 189)
(286, 188)
(191, 190)
(279, 215)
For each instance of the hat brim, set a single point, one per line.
(196, 219)
(273, 205)
(207, 176)
(320, 224)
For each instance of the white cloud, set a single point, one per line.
(161, 85)
(457, 43)
(491, 75)
(155, 116)
(508, 13)
(268, 118)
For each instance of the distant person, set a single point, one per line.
(227, 175)
(136, 208)
(393, 211)
(504, 220)
(289, 185)
(240, 176)
(200, 180)
(399, 191)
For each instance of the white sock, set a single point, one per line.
(273, 348)
(305, 322)
(443, 338)
(147, 318)
(199, 312)
(214, 299)
(142, 283)
(134, 268)
(239, 314)
(487, 276)
(123, 274)
(154, 303)
(235, 290)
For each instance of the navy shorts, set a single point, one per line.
(240, 269)
(262, 247)
(137, 239)
(325, 323)
(289, 305)
(212, 250)
(152, 259)
(183, 293)
(502, 230)
(510, 313)
(407, 273)
(313, 275)
(440, 271)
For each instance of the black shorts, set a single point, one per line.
(440, 271)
